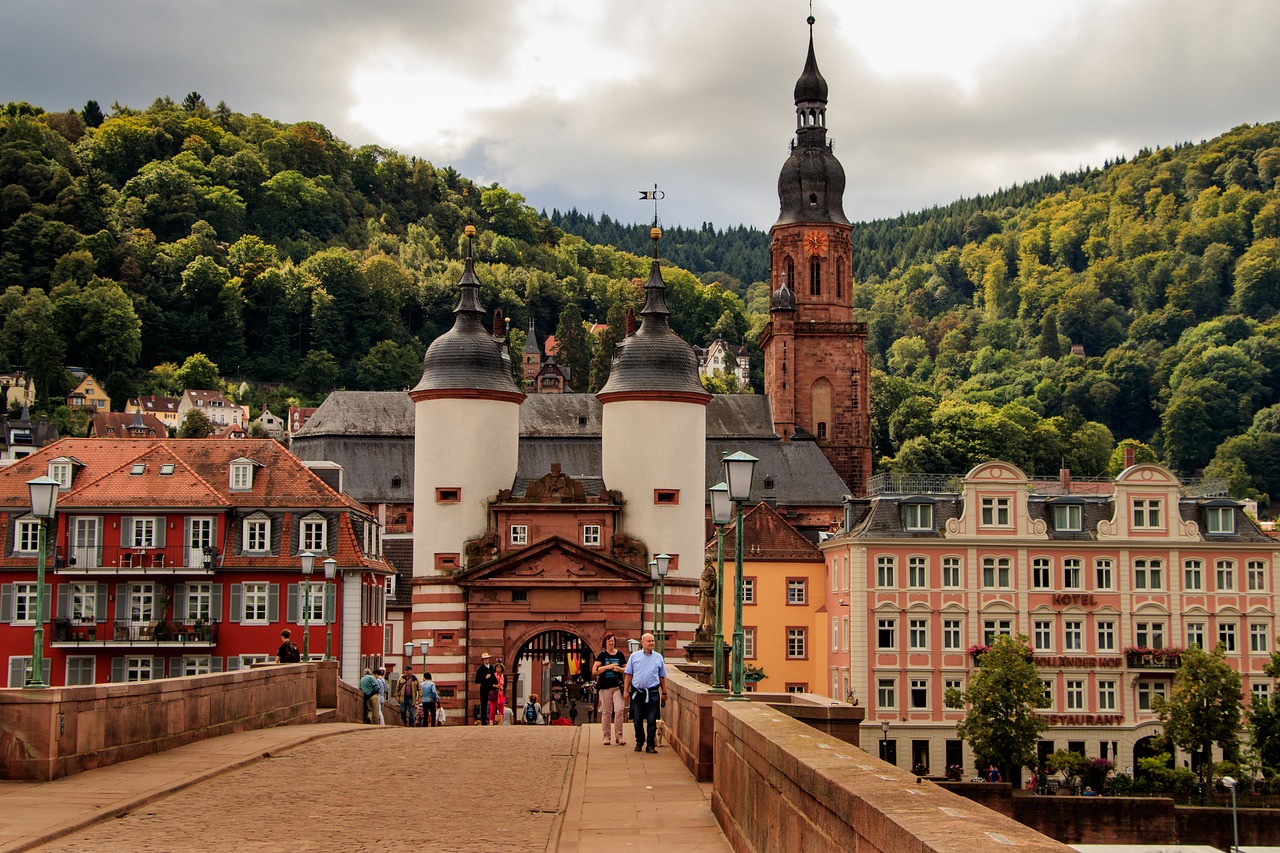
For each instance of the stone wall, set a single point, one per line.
(52, 733)
(782, 786)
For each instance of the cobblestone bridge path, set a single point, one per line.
(465, 789)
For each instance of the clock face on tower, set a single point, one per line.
(815, 243)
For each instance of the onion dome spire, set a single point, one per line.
(783, 299)
(469, 357)
(654, 359)
(811, 183)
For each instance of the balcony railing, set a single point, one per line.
(135, 632)
(118, 559)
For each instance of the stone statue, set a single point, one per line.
(707, 602)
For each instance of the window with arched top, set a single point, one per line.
(839, 278)
(820, 406)
(815, 276)
(790, 274)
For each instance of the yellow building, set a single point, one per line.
(164, 408)
(88, 394)
(783, 605)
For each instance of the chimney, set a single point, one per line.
(1064, 477)
(1128, 457)
(631, 322)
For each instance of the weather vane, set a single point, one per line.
(655, 195)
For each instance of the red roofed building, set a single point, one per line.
(178, 557)
(126, 425)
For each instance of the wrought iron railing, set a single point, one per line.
(134, 632)
(120, 559)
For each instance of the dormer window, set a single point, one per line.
(1146, 513)
(1219, 519)
(313, 535)
(917, 516)
(241, 475)
(257, 534)
(995, 512)
(1068, 518)
(60, 470)
(138, 468)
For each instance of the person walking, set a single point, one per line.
(646, 684)
(498, 699)
(609, 669)
(381, 675)
(409, 692)
(288, 651)
(486, 679)
(430, 701)
(369, 690)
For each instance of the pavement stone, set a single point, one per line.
(339, 787)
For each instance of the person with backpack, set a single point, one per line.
(288, 651)
(532, 711)
(430, 701)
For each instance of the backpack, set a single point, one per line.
(291, 653)
(530, 713)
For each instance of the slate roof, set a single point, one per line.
(579, 458)
(769, 536)
(362, 413)
(882, 517)
(800, 475)
(399, 555)
(118, 424)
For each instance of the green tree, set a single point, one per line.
(390, 366)
(195, 425)
(573, 350)
(1049, 346)
(318, 372)
(1002, 725)
(1141, 454)
(1204, 707)
(198, 372)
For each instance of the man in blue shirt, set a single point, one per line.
(646, 685)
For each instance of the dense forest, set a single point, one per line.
(131, 241)
(1042, 324)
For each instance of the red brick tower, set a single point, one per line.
(815, 362)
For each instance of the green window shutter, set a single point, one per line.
(215, 664)
(233, 663)
(273, 602)
(293, 608)
(126, 532)
(46, 600)
(161, 524)
(237, 603)
(215, 605)
(17, 671)
(179, 602)
(122, 602)
(6, 602)
(331, 602)
(100, 611)
(117, 670)
(64, 602)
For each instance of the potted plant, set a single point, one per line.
(955, 772)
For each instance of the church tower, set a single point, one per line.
(816, 371)
(654, 446)
(466, 441)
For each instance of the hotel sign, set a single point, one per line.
(1066, 599)
(1087, 662)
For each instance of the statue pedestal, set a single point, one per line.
(700, 654)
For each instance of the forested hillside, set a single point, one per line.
(1040, 324)
(130, 241)
(1163, 271)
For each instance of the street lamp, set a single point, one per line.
(44, 506)
(664, 562)
(425, 645)
(721, 514)
(308, 564)
(1235, 824)
(884, 740)
(408, 654)
(738, 469)
(330, 602)
(653, 576)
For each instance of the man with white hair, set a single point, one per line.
(646, 685)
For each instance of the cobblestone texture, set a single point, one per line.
(374, 789)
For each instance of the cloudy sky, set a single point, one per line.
(584, 103)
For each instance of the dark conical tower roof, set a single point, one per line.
(468, 357)
(811, 183)
(655, 358)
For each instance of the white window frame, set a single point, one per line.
(1068, 518)
(26, 536)
(917, 516)
(887, 633)
(1227, 636)
(1193, 575)
(1259, 638)
(1256, 571)
(1042, 635)
(241, 476)
(61, 471)
(1195, 633)
(26, 669)
(886, 569)
(1073, 635)
(1259, 691)
(142, 531)
(257, 534)
(748, 590)
(1107, 695)
(315, 592)
(748, 643)
(1041, 573)
(1074, 694)
(81, 662)
(1148, 690)
(313, 535)
(797, 591)
(951, 573)
(82, 599)
(1224, 575)
(591, 535)
(519, 534)
(997, 572)
(200, 602)
(886, 693)
(918, 693)
(1106, 635)
(917, 634)
(992, 628)
(25, 602)
(1219, 519)
(917, 572)
(1148, 573)
(797, 643)
(197, 665)
(1149, 634)
(1147, 513)
(952, 635)
(254, 602)
(1103, 573)
(1073, 573)
(142, 668)
(996, 512)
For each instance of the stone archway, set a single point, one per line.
(555, 656)
(1146, 748)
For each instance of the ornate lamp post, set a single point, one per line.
(44, 506)
(884, 740)
(425, 645)
(721, 514)
(738, 469)
(664, 562)
(408, 654)
(330, 601)
(308, 565)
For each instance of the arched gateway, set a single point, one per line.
(545, 608)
